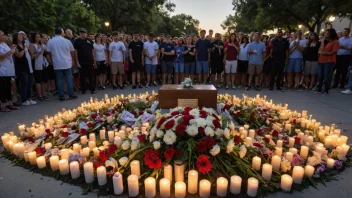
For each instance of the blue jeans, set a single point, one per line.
(60, 74)
(202, 67)
(179, 67)
(325, 74)
(349, 86)
(190, 68)
(25, 80)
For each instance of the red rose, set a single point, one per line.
(294, 121)
(169, 124)
(237, 139)
(201, 147)
(187, 118)
(103, 155)
(73, 127)
(64, 126)
(216, 124)
(209, 141)
(112, 149)
(90, 125)
(152, 159)
(256, 144)
(201, 130)
(83, 131)
(178, 153)
(40, 150)
(297, 140)
(47, 131)
(275, 133)
(93, 116)
(64, 134)
(181, 129)
(169, 153)
(174, 113)
(203, 164)
(30, 139)
(267, 140)
(142, 137)
(161, 121)
(259, 132)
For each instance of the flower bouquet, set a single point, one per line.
(187, 83)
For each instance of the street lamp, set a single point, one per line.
(107, 26)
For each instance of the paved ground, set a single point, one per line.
(18, 182)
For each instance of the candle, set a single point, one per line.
(111, 136)
(168, 172)
(267, 171)
(192, 182)
(32, 156)
(84, 140)
(289, 156)
(252, 187)
(221, 187)
(256, 162)
(54, 162)
(150, 187)
(101, 175)
(63, 166)
(135, 168)
(330, 163)
(248, 141)
(278, 151)
(48, 146)
(279, 143)
(74, 170)
(92, 137)
(236, 182)
(88, 172)
(92, 145)
(304, 152)
(133, 186)
(41, 162)
(251, 133)
(164, 185)
(179, 170)
(297, 174)
(309, 170)
(118, 183)
(102, 134)
(286, 182)
(291, 142)
(204, 188)
(276, 162)
(294, 151)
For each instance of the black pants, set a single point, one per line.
(342, 63)
(87, 77)
(276, 69)
(5, 89)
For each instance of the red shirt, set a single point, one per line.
(231, 51)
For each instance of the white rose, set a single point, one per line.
(125, 145)
(159, 134)
(169, 137)
(156, 145)
(209, 131)
(227, 133)
(135, 144)
(123, 160)
(192, 130)
(215, 150)
(243, 151)
(230, 146)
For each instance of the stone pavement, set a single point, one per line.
(18, 182)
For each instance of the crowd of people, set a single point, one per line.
(37, 65)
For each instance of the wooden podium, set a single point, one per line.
(171, 96)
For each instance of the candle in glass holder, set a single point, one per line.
(54, 162)
(74, 170)
(276, 162)
(286, 182)
(267, 170)
(84, 140)
(297, 174)
(41, 162)
(164, 185)
(88, 172)
(236, 182)
(63, 166)
(330, 163)
(252, 188)
(133, 185)
(91, 145)
(256, 163)
(135, 168)
(150, 187)
(309, 170)
(192, 182)
(304, 152)
(221, 187)
(289, 156)
(168, 172)
(101, 174)
(179, 167)
(204, 188)
(118, 183)
(180, 189)
(32, 156)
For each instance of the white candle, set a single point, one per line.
(251, 133)
(204, 188)
(267, 170)
(48, 146)
(309, 170)
(330, 163)
(236, 182)
(179, 170)
(92, 145)
(150, 187)
(276, 162)
(252, 187)
(54, 162)
(135, 168)
(286, 182)
(297, 174)
(102, 134)
(41, 162)
(289, 156)
(256, 163)
(304, 152)
(88, 172)
(164, 185)
(291, 142)
(84, 140)
(221, 187)
(192, 182)
(64, 153)
(278, 151)
(92, 137)
(32, 156)
(63, 166)
(101, 175)
(118, 183)
(168, 172)
(133, 186)
(111, 136)
(279, 143)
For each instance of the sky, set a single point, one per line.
(210, 13)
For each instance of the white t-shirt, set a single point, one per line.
(7, 67)
(60, 49)
(117, 49)
(152, 48)
(243, 55)
(99, 51)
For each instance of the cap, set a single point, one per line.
(82, 30)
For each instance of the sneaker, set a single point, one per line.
(32, 102)
(155, 83)
(147, 85)
(72, 97)
(248, 88)
(234, 87)
(134, 87)
(347, 91)
(27, 103)
(227, 87)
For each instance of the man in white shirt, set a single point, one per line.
(61, 53)
(117, 54)
(151, 59)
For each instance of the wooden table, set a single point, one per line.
(169, 95)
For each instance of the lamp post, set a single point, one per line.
(107, 26)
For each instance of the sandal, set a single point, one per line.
(6, 110)
(11, 107)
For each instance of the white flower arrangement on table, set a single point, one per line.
(187, 83)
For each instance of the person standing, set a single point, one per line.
(100, 53)
(151, 61)
(117, 53)
(256, 51)
(203, 57)
(167, 56)
(217, 63)
(311, 66)
(343, 59)
(61, 55)
(232, 48)
(136, 47)
(295, 61)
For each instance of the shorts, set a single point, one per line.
(179, 67)
(294, 65)
(202, 67)
(50, 72)
(190, 67)
(242, 66)
(231, 66)
(117, 68)
(167, 67)
(311, 68)
(267, 66)
(101, 68)
(217, 66)
(40, 76)
(136, 66)
(150, 69)
(254, 69)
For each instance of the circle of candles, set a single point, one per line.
(304, 152)
(286, 182)
(168, 172)
(32, 156)
(133, 186)
(135, 168)
(309, 170)
(63, 166)
(150, 187)
(88, 172)
(252, 188)
(41, 162)
(236, 182)
(221, 187)
(267, 171)
(180, 189)
(276, 162)
(164, 185)
(297, 174)
(101, 174)
(192, 181)
(256, 162)
(179, 170)
(330, 163)
(74, 170)
(118, 183)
